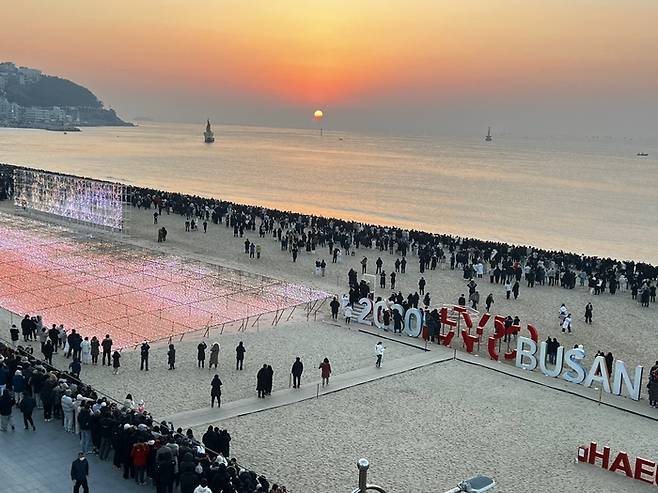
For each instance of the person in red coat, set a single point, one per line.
(140, 454)
(325, 368)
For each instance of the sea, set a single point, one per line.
(586, 195)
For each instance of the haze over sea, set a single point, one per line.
(592, 195)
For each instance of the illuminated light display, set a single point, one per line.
(94, 202)
(133, 294)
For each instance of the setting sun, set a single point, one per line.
(318, 114)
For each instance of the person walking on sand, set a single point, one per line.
(325, 371)
(79, 473)
(239, 356)
(562, 314)
(201, 354)
(297, 370)
(515, 290)
(216, 391)
(171, 357)
(588, 313)
(116, 356)
(508, 289)
(489, 301)
(214, 355)
(379, 352)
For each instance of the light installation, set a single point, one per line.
(94, 202)
(132, 293)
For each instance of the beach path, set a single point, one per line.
(309, 390)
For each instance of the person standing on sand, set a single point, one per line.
(325, 371)
(588, 313)
(239, 356)
(214, 355)
(270, 380)
(296, 371)
(335, 306)
(379, 352)
(392, 280)
(364, 264)
(421, 285)
(95, 350)
(508, 289)
(201, 354)
(107, 349)
(144, 356)
(115, 362)
(261, 382)
(216, 391)
(171, 357)
(348, 314)
(515, 290)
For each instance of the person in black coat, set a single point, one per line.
(201, 354)
(297, 370)
(239, 356)
(144, 353)
(335, 305)
(188, 477)
(270, 380)
(27, 406)
(216, 391)
(261, 381)
(107, 349)
(171, 357)
(79, 473)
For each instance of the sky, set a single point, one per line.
(403, 66)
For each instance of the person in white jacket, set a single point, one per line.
(68, 410)
(203, 487)
(379, 352)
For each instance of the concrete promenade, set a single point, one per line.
(40, 462)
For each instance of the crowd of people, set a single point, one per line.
(145, 450)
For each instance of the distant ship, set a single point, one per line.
(208, 135)
(642, 154)
(488, 137)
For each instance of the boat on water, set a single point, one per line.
(642, 154)
(488, 137)
(208, 135)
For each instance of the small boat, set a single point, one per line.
(642, 154)
(488, 137)
(208, 135)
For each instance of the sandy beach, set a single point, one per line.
(424, 430)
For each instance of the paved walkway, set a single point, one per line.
(40, 462)
(309, 390)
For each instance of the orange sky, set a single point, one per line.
(282, 56)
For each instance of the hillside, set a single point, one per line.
(29, 98)
(51, 91)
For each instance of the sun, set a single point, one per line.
(318, 114)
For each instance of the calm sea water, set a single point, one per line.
(591, 195)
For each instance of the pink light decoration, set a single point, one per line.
(97, 287)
